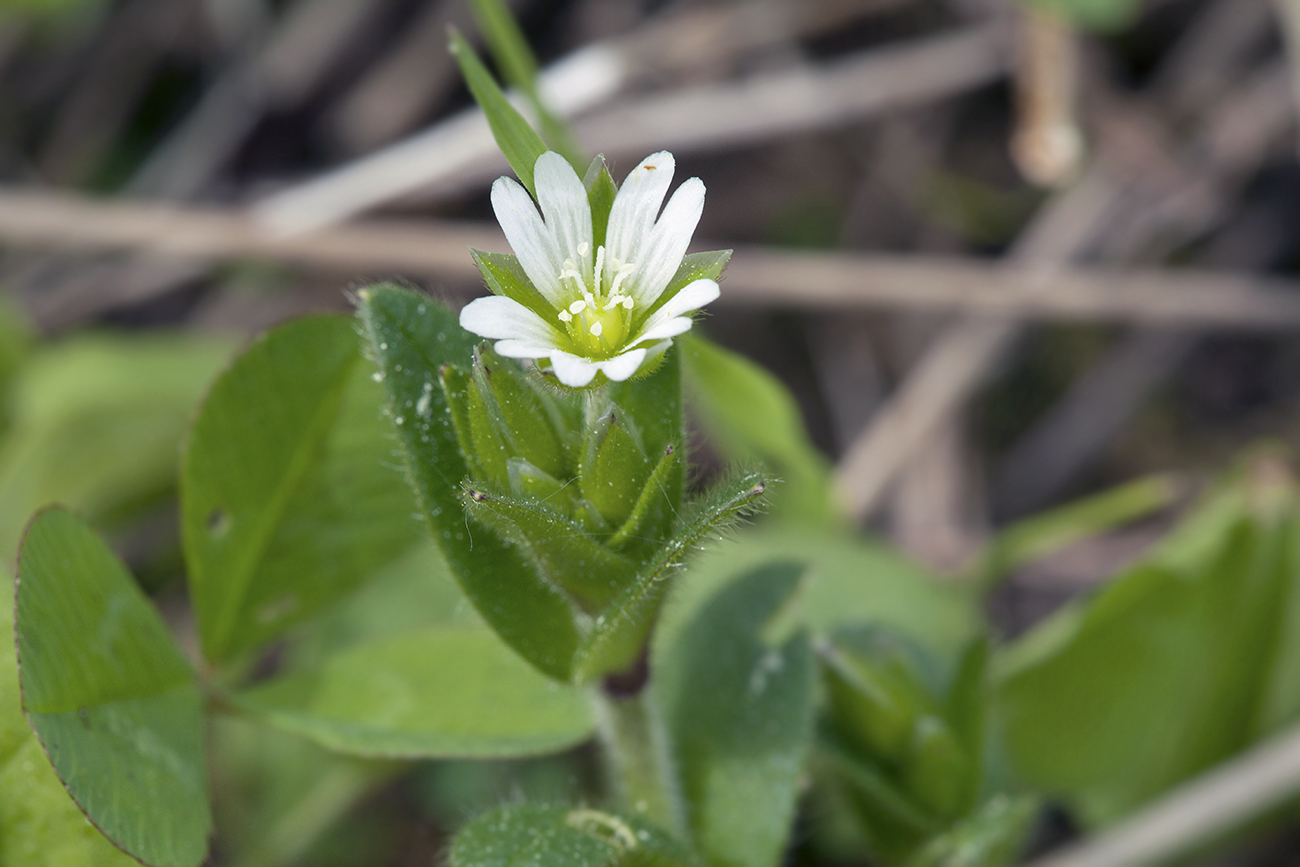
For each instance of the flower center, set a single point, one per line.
(599, 318)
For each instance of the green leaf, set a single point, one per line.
(1041, 534)
(97, 420)
(935, 770)
(967, 712)
(519, 67)
(1166, 671)
(517, 140)
(993, 837)
(412, 593)
(440, 692)
(850, 580)
(546, 836)
(110, 696)
(620, 632)
(40, 826)
(873, 711)
(288, 498)
(740, 711)
(890, 824)
(563, 552)
(747, 414)
(411, 338)
(601, 191)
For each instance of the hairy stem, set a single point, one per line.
(638, 758)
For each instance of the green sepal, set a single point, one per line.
(456, 388)
(655, 511)
(936, 768)
(894, 821)
(518, 141)
(505, 276)
(654, 403)
(532, 483)
(994, 836)
(516, 406)
(871, 712)
(601, 191)
(614, 468)
(562, 551)
(411, 338)
(487, 432)
(586, 514)
(695, 266)
(621, 630)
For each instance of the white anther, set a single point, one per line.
(627, 303)
(565, 316)
(577, 306)
(583, 248)
(596, 329)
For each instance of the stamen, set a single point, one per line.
(583, 248)
(577, 306)
(628, 303)
(618, 278)
(565, 316)
(596, 329)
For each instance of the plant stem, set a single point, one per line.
(638, 758)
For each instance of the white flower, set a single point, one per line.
(601, 308)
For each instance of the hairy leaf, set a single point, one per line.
(412, 338)
(740, 710)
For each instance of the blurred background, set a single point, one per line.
(1003, 255)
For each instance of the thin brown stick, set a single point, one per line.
(460, 153)
(1211, 805)
(1235, 134)
(758, 276)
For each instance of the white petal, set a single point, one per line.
(571, 370)
(636, 206)
(620, 367)
(667, 330)
(524, 348)
(565, 207)
(497, 317)
(530, 238)
(692, 296)
(662, 252)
